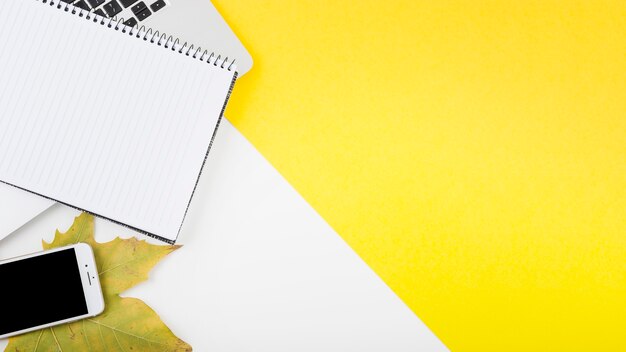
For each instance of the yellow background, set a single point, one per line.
(471, 152)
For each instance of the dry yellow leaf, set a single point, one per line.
(127, 324)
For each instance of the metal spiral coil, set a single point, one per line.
(160, 39)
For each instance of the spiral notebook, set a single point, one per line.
(109, 119)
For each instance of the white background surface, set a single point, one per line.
(259, 269)
(17, 207)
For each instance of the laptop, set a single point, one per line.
(194, 21)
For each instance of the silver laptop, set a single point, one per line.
(194, 21)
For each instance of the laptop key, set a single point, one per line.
(143, 14)
(82, 5)
(127, 3)
(157, 5)
(95, 3)
(138, 8)
(131, 22)
(99, 12)
(112, 8)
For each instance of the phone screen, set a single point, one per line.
(40, 290)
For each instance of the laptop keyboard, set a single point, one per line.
(133, 11)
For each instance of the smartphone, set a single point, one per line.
(48, 288)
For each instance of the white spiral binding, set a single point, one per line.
(163, 39)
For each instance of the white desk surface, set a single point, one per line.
(259, 270)
(14, 211)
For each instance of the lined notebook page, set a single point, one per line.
(101, 120)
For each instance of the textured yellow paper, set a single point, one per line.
(472, 152)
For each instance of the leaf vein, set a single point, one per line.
(118, 341)
(101, 336)
(38, 339)
(56, 340)
(85, 335)
(125, 263)
(127, 333)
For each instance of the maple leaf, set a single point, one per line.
(127, 324)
